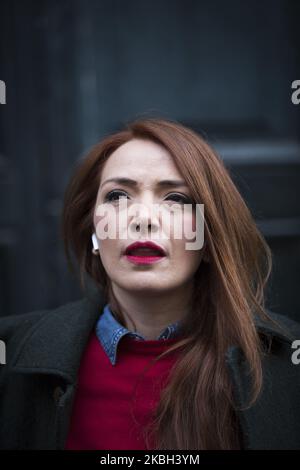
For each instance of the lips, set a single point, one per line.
(145, 249)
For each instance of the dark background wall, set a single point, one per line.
(76, 70)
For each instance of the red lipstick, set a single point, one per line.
(144, 253)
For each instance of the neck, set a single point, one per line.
(149, 314)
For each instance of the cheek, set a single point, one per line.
(110, 257)
(189, 226)
(187, 258)
(194, 222)
(107, 228)
(184, 264)
(111, 223)
(180, 225)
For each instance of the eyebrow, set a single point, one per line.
(133, 183)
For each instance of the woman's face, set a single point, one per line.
(148, 164)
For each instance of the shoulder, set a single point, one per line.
(278, 334)
(12, 325)
(278, 326)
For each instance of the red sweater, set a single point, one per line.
(108, 412)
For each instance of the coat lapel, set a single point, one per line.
(56, 343)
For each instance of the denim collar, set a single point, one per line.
(109, 332)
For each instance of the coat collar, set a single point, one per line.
(55, 344)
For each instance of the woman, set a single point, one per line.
(178, 350)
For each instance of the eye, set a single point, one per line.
(180, 198)
(114, 195)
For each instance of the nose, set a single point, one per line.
(144, 218)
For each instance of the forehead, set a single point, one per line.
(142, 160)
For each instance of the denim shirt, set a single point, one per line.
(109, 332)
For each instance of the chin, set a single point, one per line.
(144, 287)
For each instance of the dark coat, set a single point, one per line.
(38, 382)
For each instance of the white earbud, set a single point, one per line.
(95, 242)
